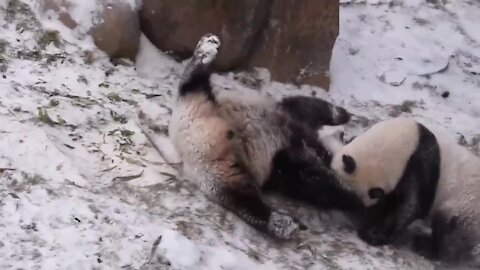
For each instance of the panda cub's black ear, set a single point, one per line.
(349, 164)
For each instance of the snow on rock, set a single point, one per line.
(83, 188)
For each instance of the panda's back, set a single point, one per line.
(459, 184)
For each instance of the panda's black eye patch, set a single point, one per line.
(376, 193)
(230, 134)
(349, 164)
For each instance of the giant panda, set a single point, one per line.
(403, 171)
(235, 146)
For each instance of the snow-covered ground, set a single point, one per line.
(82, 187)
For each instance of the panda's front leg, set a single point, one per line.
(300, 174)
(391, 215)
(385, 233)
(244, 200)
(314, 112)
(377, 220)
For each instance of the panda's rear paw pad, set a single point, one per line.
(207, 49)
(283, 226)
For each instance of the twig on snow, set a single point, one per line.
(2, 170)
(127, 177)
(109, 169)
(154, 250)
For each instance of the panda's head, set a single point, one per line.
(346, 167)
(374, 162)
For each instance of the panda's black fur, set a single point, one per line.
(234, 146)
(403, 171)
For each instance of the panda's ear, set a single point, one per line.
(349, 164)
(376, 193)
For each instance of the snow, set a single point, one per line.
(417, 51)
(82, 187)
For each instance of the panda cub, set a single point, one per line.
(402, 171)
(234, 146)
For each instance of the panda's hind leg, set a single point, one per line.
(221, 174)
(314, 112)
(196, 75)
(228, 183)
(245, 201)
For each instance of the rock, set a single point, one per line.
(176, 26)
(118, 34)
(293, 39)
(117, 27)
(297, 44)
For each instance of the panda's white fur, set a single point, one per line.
(458, 195)
(381, 155)
(233, 144)
(459, 182)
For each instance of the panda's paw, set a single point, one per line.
(340, 116)
(284, 226)
(207, 49)
(373, 236)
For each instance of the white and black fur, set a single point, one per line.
(402, 171)
(234, 146)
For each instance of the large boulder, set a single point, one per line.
(297, 44)
(293, 39)
(118, 33)
(114, 25)
(177, 25)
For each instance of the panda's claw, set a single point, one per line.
(283, 226)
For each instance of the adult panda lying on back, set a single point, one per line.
(233, 146)
(402, 171)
